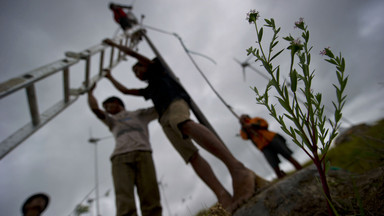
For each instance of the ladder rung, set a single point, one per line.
(32, 101)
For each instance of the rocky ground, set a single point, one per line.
(301, 194)
(356, 182)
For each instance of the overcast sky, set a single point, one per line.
(59, 161)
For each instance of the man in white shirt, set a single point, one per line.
(132, 163)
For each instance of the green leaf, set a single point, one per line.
(343, 64)
(274, 44)
(284, 104)
(249, 50)
(329, 53)
(276, 54)
(318, 98)
(260, 35)
(331, 61)
(288, 38)
(272, 22)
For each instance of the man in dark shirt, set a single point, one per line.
(171, 102)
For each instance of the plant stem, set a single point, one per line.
(323, 180)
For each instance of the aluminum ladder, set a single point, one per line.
(28, 81)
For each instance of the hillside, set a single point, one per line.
(356, 181)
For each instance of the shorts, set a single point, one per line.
(176, 113)
(276, 146)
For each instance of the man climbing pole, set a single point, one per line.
(269, 143)
(171, 102)
(132, 163)
(125, 19)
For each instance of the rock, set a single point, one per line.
(301, 194)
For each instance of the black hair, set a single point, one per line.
(39, 195)
(111, 5)
(112, 100)
(137, 64)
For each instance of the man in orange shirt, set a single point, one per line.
(270, 143)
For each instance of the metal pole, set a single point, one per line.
(95, 141)
(96, 182)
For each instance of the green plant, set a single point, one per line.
(309, 130)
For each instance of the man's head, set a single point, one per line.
(113, 105)
(140, 70)
(244, 118)
(35, 204)
(112, 6)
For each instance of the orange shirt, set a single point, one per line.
(261, 136)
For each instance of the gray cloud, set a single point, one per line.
(58, 159)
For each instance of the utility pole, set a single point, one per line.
(95, 141)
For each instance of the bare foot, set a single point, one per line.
(245, 185)
(225, 200)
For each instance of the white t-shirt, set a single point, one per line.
(130, 129)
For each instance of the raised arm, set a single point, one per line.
(142, 59)
(121, 87)
(92, 102)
